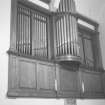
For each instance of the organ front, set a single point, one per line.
(54, 54)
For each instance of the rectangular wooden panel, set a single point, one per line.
(103, 80)
(12, 73)
(92, 82)
(31, 78)
(68, 80)
(92, 85)
(45, 77)
(88, 52)
(27, 74)
(81, 48)
(67, 83)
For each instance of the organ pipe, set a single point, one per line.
(67, 46)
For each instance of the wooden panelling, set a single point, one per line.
(27, 74)
(67, 83)
(68, 80)
(92, 85)
(46, 77)
(97, 50)
(32, 37)
(12, 74)
(46, 80)
(30, 78)
(103, 79)
(35, 78)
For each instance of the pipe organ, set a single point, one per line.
(53, 54)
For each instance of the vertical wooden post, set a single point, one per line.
(70, 102)
(13, 25)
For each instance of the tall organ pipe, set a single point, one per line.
(67, 34)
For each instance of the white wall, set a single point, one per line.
(84, 7)
(89, 8)
(95, 9)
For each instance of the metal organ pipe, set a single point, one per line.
(66, 32)
(32, 30)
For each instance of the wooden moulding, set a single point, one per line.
(46, 1)
(40, 79)
(86, 19)
(13, 25)
(30, 78)
(92, 84)
(34, 6)
(103, 80)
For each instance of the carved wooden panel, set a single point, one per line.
(27, 74)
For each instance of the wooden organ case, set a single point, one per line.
(52, 54)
